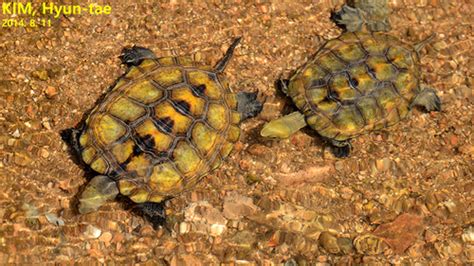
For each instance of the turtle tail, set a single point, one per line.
(222, 64)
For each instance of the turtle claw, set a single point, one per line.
(341, 149)
(135, 55)
(155, 213)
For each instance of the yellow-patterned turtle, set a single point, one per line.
(358, 82)
(163, 125)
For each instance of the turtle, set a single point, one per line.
(362, 81)
(163, 125)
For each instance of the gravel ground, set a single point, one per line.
(404, 196)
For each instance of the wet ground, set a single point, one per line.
(404, 196)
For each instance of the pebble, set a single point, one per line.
(448, 248)
(92, 232)
(311, 174)
(50, 92)
(402, 232)
(369, 244)
(468, 235)
(237, 206)
(243, 239)
(44, 153)
(329, 242)
(53, 219)
(106, 237)
(16, 133)
(383, 164)
(41, 74)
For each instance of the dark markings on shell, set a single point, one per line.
(353, 82)
(332, 95)
(198, 90)
(317, 83)
(165, 124)
(148, 142)
(136, 151)
(182, 106)
(371, 72)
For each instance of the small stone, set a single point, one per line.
(402, 232)
(52, 218)
(448, 248)
(44, 153)
(468, 235)
(312, 174)
(467, 149)
(106, 237)
(370, 245)
(46, 125)
(21, 159)
(346, 193)
(329, 242)
(345, 245)
(50, 92)
(243, 239)
(92, 232)
(217, 229)
(237, 206)
(11, 142)
(383, 164)
(205, 217)
(41, 74)
(430, 237)
(184, 228)
(16, 133)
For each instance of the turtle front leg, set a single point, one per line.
(372, 15)
(154, 212)
(341, 149)
(247, 105)
(428, 99)
(135, 55)
(98, 191)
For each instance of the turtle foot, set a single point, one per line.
(341, 149)
(248, 105)
(154, 212)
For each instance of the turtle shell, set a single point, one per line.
(356, 83)
(161, 128)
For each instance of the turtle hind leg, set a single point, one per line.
(247, 105)
(135, 55)
(341, 149)
(428, 99)
(154, 212)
